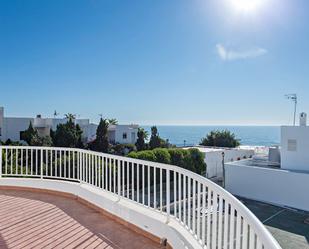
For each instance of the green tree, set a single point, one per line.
(218, 138)
(41, 141)
(155, 140)
(68, 135)
(28, 134)
(70, 116)
(142, 136)
(101, 144)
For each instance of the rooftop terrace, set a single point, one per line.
(158, 201)
(40, 220)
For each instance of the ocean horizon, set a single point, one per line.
(181, 135)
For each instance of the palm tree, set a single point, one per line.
(112, 121)
(70, 116)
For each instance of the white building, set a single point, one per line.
(11, 127)
(214, 157)
(123, 134)
(281, 178)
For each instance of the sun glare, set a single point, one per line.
(246, 5)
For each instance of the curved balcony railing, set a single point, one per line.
(211, 215)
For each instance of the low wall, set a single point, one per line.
(213, 159)
(150, 221)
(277, 186)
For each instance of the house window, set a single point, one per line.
(292, 145)
(124, 135)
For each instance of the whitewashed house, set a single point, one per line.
(11, 128)
(282, 177)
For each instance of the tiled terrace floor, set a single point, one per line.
(41, 220)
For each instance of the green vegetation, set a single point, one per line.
(191, 159)
(68, 134)
(121, 149)
(41, 141)
(10, 142)
(142, 136)
(28, 134)
(218, 138)
(101, 144)
(112, 121)
(155, 140)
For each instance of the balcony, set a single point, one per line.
(149, 202)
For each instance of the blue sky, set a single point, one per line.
(155, 62)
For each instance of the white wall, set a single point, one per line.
(131, 134)
(13, 126)
(276, 186)
(89, 132)
(295, 156)
(213, 159)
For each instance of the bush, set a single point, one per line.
(220, 139)
(177, 157)
(122, 149)
(162, 155)
(191, 159)
(133, 154)
(198, 164)
(147, 155)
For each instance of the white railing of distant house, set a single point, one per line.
(212, 216)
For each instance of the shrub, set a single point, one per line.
(162, 155)
(147, 155)
(191, 159)
(218, 138)
(197, 160)
(122, 149)
(177, 156)
(133, 154)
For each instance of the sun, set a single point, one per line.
(246, 5)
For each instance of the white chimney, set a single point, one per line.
(303, 119)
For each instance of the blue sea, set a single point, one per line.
(248, 135)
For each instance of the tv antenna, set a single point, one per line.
(293, 97)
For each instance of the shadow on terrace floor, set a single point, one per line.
(41, 220)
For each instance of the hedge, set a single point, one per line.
(191, 159)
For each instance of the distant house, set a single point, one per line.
(11, 128)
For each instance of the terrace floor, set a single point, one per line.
(288, 226)
(41, 220)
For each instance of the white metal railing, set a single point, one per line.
(214, 217)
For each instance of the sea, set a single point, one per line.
(192, 135)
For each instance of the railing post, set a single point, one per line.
(168, 195)
(41, 166)
(118, 179)
(80, 168)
